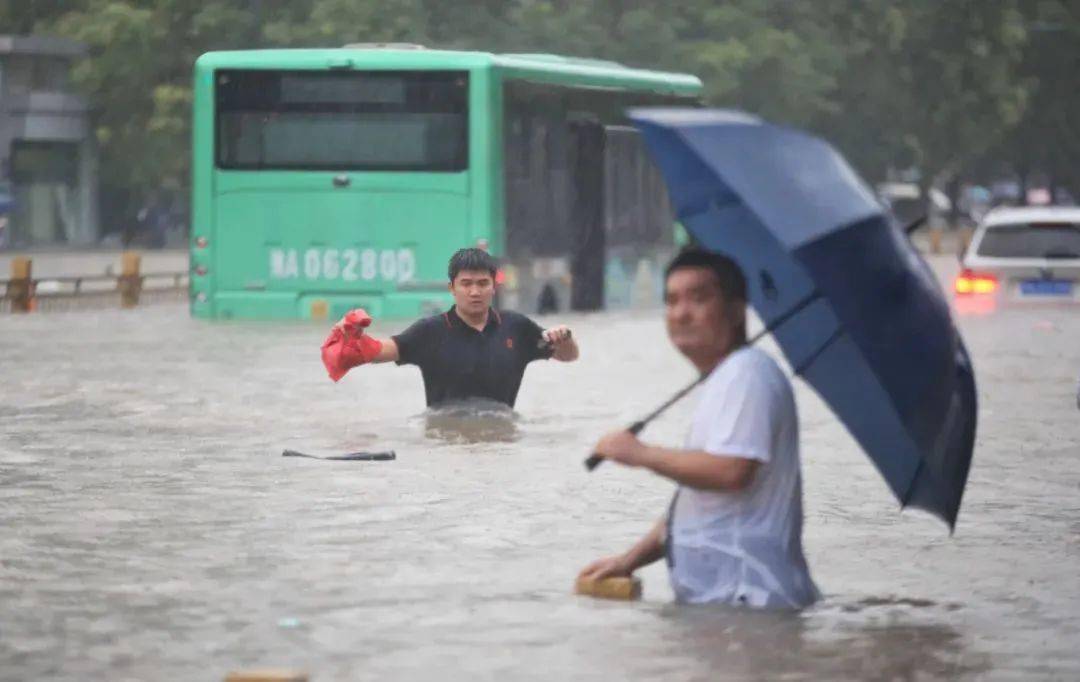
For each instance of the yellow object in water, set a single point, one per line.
(267, 675)
(320, 309)
(610, 588)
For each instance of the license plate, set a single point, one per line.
(1046, 287)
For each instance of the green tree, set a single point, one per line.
(137, 77)
(926, 84)
(769, 57)
(333, 23)
(1046, 139)
(24, 17)
(935, 85)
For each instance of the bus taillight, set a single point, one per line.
(201, 242)
(200, 270)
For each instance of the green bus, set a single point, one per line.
(328, 179)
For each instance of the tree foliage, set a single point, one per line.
(947, 86)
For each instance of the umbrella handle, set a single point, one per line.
(594, 459)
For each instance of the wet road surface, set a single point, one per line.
(150, 529)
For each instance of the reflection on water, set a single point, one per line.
(472, 421)
(914, 602)
(741, 644)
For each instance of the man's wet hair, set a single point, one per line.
(729, 275)
(471, 259)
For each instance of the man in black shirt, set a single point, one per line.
(471, 350)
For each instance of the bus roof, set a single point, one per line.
(538, 67)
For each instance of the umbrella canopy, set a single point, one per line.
(853, 306)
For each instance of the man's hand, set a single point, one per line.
(354, 322)
(648, 549)
(561, 342)
(622, 447)
(608, 567)
(557, 336)
(347, 346)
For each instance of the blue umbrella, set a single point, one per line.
(853, 306)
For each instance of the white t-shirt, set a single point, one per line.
(744, 548)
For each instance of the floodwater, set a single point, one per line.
(151, 529)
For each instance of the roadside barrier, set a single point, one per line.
(267, 675)
(23, 293)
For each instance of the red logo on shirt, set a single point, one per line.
(510, 344)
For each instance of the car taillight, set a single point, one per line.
(500, 276)
(968, 282)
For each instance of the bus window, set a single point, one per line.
(332, 120)
(636, 208)
(538, 154)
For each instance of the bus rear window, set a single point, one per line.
(333, 120)
(1040, 240)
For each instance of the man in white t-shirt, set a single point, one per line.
(733, 533)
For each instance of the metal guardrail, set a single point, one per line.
(23, 293)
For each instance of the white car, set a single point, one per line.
(1024, 255)
(904, 200)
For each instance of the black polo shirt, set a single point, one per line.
(459, 362)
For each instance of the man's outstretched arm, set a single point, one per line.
(694, 468)
(388, 353)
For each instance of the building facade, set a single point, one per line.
(48, 158)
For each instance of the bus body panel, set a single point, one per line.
(586, 223)
(368, 238)
(280, 243)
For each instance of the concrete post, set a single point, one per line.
(20, 289)
(130, 281)
(89, 231)
(267, 675)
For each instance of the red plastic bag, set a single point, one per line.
(347, 346)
